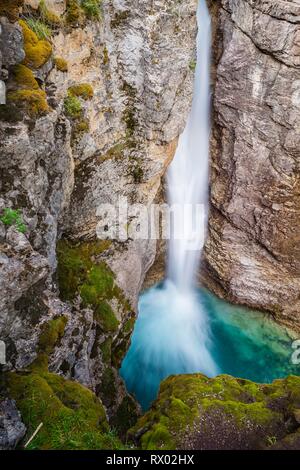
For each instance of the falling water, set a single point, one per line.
(188, 173)
(171, 335)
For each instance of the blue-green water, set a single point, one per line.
(242, 342)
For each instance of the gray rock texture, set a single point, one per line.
(252, 253)
(12, 429)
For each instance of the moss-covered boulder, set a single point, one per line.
(195, 412)
(72, 416)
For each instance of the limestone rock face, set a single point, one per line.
(252, 253)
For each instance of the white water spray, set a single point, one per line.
(188, 173)
(188, 185)
(171, 335)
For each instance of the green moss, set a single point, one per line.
(27, 94)
(37, 52)
(79, 272)
(24, 78)
(192, 65)
(108, 390)
(250, 411)
(106, 350)
(158, 438)
(72, 106)
(91, 8)
(83, 90)
(61, 64)
(72, 416)
(52, 332)
(11, 9)
(105, 317)
(34, 102)
(128, 327)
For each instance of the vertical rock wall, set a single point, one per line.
(252, 253)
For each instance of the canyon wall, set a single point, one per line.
(252, 254)
(93, 102)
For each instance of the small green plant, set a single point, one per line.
(12, 217)
(39, 28)
(271, 440)
(73, 107)
(192, 65)
(91, 8)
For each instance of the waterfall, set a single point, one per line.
(171, 335)
(188, 173)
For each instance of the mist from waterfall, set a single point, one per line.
(171, 335)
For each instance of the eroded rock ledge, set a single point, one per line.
(252, 253)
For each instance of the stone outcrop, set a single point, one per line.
(12, 429)
(193, 412)
(252, 253)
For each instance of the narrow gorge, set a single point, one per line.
(94, 96)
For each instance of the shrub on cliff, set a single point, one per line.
(73, 108)
(11, 217)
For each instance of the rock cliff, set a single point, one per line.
(252, 253)
(94, 95)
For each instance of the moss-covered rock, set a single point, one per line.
(81, 271)
(194, 412)
(25, 92)
(72, 416)
(83, 90)
(61, 64)
(37, 52)
(34, 102)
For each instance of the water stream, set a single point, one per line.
(180, 328)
